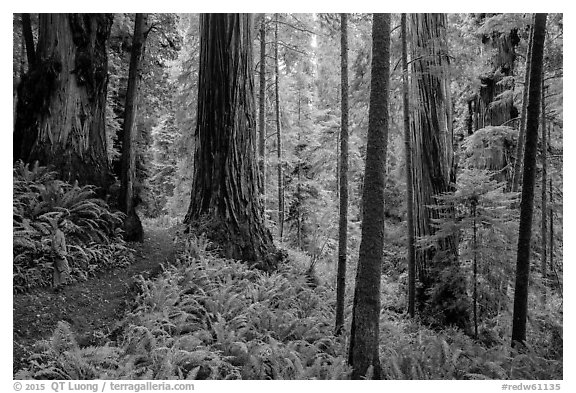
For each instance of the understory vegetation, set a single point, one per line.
(211, 318)
(92, 231)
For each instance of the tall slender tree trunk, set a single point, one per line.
(343, 222)
(132, 225)
(224, 203)
(262, 108)
(409, 181)
(528, 181)
(62, 99)
(278, 134)
(432, 171)
(475, 268)
(28, 39)
(364, 337)
(544, 185)
(299, 185)
(337, 173)
(551, 212)
(522, 130)
(470, 118)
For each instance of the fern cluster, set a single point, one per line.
(415, 352)
(92, 231)
(211, 318)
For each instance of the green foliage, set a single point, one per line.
(210, 318)
(60, 357)
(490, 148)
(161, 182)
(480, 204)
(92, 231)
(417, 353)
(502, 23)
(172, 139)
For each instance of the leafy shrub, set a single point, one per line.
(92, 231)
(210, 318)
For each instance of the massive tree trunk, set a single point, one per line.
(224, 201)
(432, 159)
(409, 181)
(494, 104)
(262, 109)
(522, 130)
(132, 225)
(528, 181)
(343, 222)
(364, 336)
(61, 109)
(278, 134)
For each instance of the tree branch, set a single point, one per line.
(410, 62)
(292, 48)
(153, 26)
(561, 75)
(510, 121)
(296, 27)
(312, 32)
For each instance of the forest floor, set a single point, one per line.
(92, 308)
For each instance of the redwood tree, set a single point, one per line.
(278, 134)
(343, 221)
(522, 129)
(528, 182)
(544, 190)
(442, 292)
(364, 335)
(493, 104)
(60, 118)
(262, 107)
(132, 225)
(408, 159)
(224, 200)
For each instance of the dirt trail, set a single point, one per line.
(93, 307)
